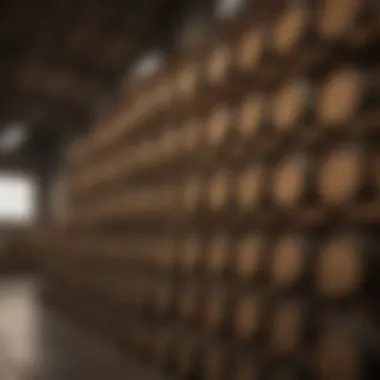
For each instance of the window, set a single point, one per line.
(18, 198)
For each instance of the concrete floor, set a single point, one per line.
(37, 344)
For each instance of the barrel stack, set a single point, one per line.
(224, 220)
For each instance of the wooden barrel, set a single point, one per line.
(218, 64)
(245, 367)
(141, 155)
(214, 309)
(165, 254)
(192, 194)
(192, 136)
(338, 357)
(340, 97)
(163, 352)
(250, 184)
(338, 17)
(164, 298)
(187, 80)
(291, 180)
(340, 174)
(289, 260)
(292, 105)
(287, 328)
(250, 50)
(217, 255)
(168, 204)
(289, 371)
(169, 144)
(189, 358)
(248, 315)
(214, 365)
(218, 126)
(219, 190)
(249, 255)
(190, 258)
(251, 115)
(340, 266)
(292, 27)
(189, 301)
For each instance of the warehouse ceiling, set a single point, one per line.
(62, 59)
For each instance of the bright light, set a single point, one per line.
(13, 137)
(18, 199)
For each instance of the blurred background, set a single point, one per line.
(189, 189)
